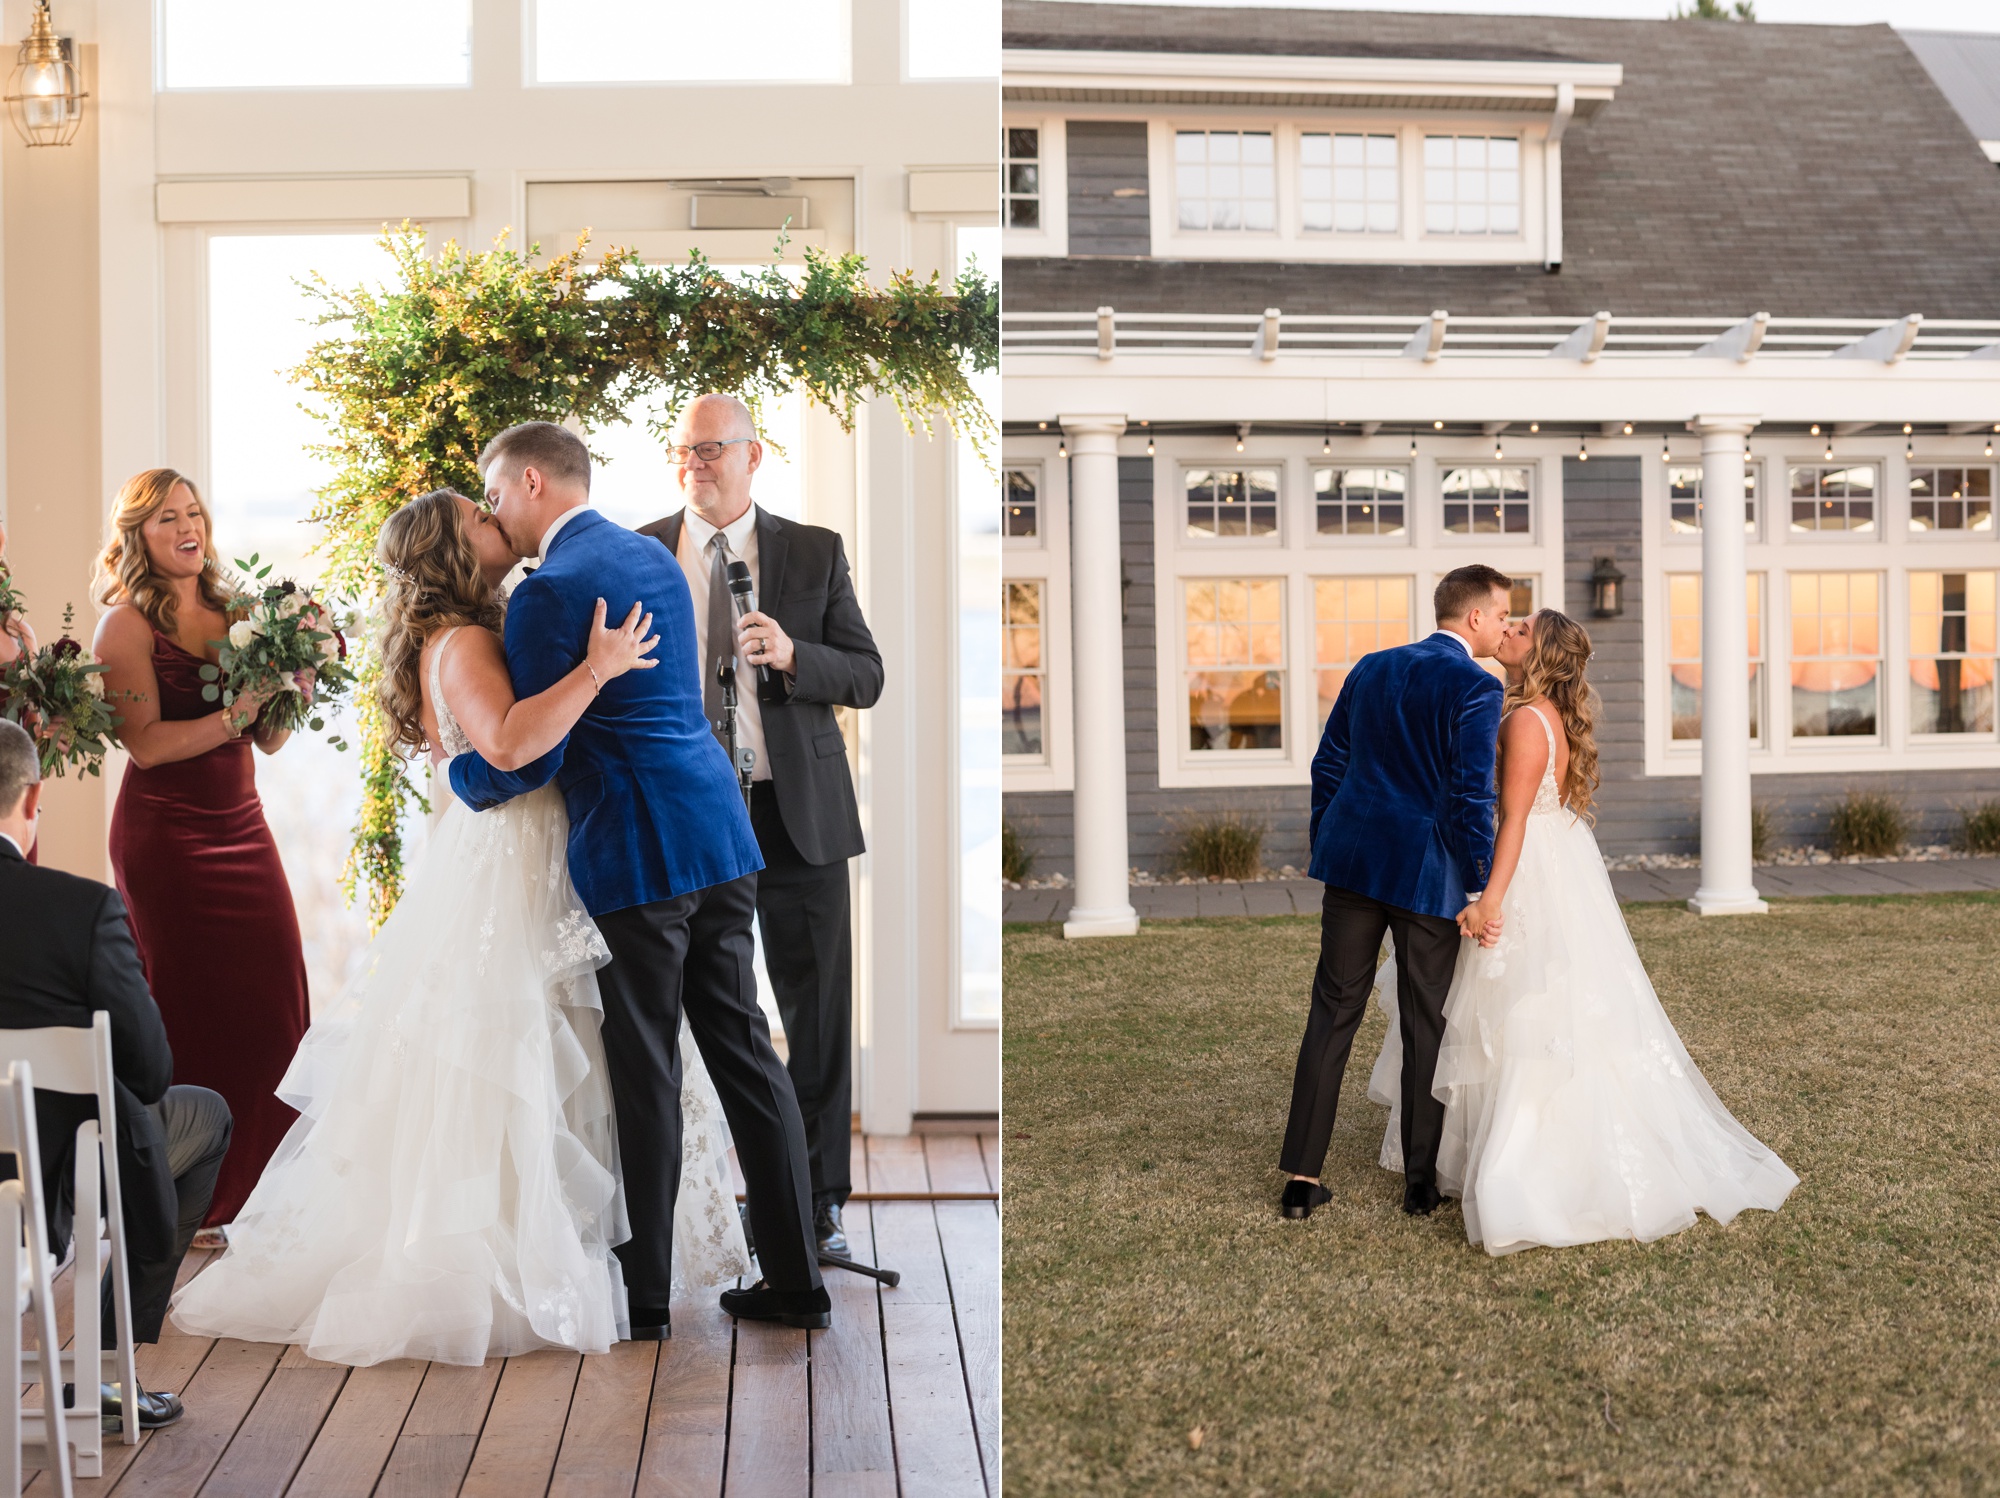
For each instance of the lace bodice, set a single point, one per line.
(454, 742)
(1548, 795)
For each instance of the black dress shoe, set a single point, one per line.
(828, 1230)
(651, 1324)
(810, 1309)
(1301, 1197)
(155, 1409)
(1420, 1198)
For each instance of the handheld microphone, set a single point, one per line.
(743, 596)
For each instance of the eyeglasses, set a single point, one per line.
(708, 452)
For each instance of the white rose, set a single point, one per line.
(289, 605)
(257, 625)
(242, 632)
(329, 648)
(96, 683)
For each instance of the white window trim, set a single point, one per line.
(1045, 559)
(1891, 550)
(1052, 239)
(1424, 554)
(1291, 241)
(1958, 537)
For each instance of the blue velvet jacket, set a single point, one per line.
(654, 810)
(1402, 785)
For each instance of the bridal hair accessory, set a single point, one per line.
(400, 574)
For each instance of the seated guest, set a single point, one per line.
(69, 953)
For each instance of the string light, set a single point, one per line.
(1666, 453)
(1043, 425)
(1909, 448)
(1583, 449)
(1437, 426)
(1413, 444)
(1326, 444)
(1149, 445)
(1239, 444)
(1829, 449)
(1815, 429)
(1989, 447)
(1497, 454)
(1628, 428)
(1536, 426)
(1062, 447)
(1906, 429)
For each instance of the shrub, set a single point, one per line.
(1017, 860)
(1229, 846)
(1760, 833)
(1868, 823)
(1979, 828)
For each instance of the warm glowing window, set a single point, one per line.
(1020, 502)
(1684, 498)
(1023, 671)
(1951, 499)
(1684, 655)
(1232, 502)
(1952, 652)
(1353, 616)
(1827, 497)
(1235, 663)
(1836, 654)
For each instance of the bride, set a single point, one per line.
(1573, 1113)
(451, 1189)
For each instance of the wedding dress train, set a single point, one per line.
(1573, 1113)
(450, 1190)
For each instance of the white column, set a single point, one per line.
(1097, 606)
(1727, 886)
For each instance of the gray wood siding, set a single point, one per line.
(1635, 813)
(1109, 208)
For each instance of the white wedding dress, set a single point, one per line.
(1573, 1113)
(451, 1190)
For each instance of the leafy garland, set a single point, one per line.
(465, 344)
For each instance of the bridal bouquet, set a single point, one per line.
(57, 694)
(287, 647)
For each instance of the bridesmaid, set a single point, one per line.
(16, 640)
(189, 847)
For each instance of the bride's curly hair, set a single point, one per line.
(1558, 657)
(434, 583)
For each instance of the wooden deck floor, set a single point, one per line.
(900, 1397)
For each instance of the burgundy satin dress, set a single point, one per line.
(215, 925)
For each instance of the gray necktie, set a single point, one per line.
(721, 632)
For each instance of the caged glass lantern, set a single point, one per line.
(45, 92)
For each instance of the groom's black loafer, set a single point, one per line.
(651, 1324)
(157, 1409)
(810, 1309)
(1420, 1198)
(1301, 1197)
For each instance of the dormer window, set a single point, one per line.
(1348, 183)
(1472, 184)
(1226, 180)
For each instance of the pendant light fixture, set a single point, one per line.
(1583, 449)
(45, 92)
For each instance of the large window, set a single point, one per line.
(1487, 501)
(1832, 497)
(1836, 654)
(1232, 502)
(1348, 183)
(212, 44)
(1226, 180)
(1021, 185)
(1952, 652)
(1684, 498)
(1472, 184)
(1352, 617)
(1235, 663)
(1020, 501)
(1951, 499)
(952, 38)
(643, 41)
(1684, 655)
(1023, 677)
(1360, 501)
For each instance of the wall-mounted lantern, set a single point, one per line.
(45, 92)
(1607, 589)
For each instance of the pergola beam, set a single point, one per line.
(1429, 340)
(1888, 343)
(1739, 343)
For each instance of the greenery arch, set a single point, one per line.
(460, 345)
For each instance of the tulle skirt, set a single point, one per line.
(1573, 1113)
(451, 1190)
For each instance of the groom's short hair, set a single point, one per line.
(1464, 589)
(20, 766)
(556, 452)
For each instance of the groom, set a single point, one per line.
(662, 854)
(1402, 838)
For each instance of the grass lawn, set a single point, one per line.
(1849, 1343)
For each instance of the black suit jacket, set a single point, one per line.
(66, 950)
(803, 583)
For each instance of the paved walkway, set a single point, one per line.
(1166, 902)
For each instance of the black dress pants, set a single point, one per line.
(1350, 944)
(802, 909)
(694, 951)
(197, 1126)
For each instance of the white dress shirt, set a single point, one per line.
(555, 527)
(741, 534)
(1450, 634)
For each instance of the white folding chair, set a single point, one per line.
(69, 1058)
(30, 1268)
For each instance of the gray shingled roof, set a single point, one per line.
(1798, 170)
(1965, 65)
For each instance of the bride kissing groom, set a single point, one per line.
(506, 1138)
(1530, 1069)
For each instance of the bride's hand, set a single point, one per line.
(1480, 922)
(613, 652)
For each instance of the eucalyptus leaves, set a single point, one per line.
(420, 375)
(285, 650)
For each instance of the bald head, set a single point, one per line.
(718, 488)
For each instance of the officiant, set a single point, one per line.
(803, 652)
